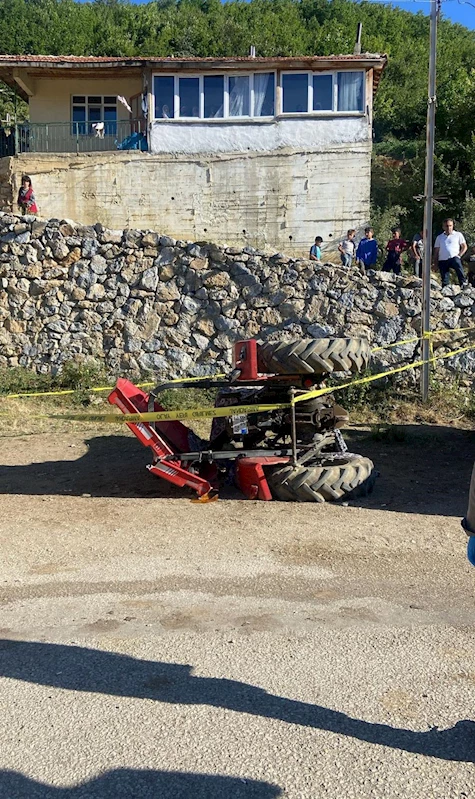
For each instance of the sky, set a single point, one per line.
(461, 12)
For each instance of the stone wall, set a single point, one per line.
(143, 302)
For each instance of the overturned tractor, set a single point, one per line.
(272, 445)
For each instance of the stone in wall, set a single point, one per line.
(141, 302)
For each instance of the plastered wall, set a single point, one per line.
(279, 199)
(51, 101)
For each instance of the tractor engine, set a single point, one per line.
(317, 420)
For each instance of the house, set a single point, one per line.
(267, 152)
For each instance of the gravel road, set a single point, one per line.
(153, 648)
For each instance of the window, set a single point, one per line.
(164, 90)
(350, 91)
(295, 93)
(189, 94)
(213, 96)
(87, 111)
(239, 95)
(264, 94)
(323, 92)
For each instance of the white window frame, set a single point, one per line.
(201, 76)
(328, 112)
(335, 89)
(309, 90)
(86, 104)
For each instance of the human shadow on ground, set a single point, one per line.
(140, 784)
(95, 671)
(426, 472)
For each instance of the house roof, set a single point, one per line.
(63, 65)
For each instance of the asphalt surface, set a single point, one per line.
(151, 648)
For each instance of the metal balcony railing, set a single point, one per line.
(73, 137)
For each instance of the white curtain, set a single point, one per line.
(350, 91)
(239, 96)
(261, 82)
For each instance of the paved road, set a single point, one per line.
(153, 648)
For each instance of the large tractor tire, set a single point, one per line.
(344, 476)
(314, 356)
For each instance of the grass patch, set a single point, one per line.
(77, 377)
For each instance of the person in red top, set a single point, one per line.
(26, 198)
(395, 247)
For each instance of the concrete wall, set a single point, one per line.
(51, 101)
(278, 199)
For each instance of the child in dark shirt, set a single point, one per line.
(395, 247)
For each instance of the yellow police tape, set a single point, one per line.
(98, 389)
(233, 410)
(162, 416)
(370, 378)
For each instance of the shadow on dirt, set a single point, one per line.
(78, 668)
(140, 784)
(423, 469)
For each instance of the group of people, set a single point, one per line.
(449, 249)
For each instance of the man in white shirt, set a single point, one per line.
(449, 248)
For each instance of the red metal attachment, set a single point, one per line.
(245, 359)
(164, 438)
(250, 476)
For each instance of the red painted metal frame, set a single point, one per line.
(245, 359)
(250, 476)
(131, 399)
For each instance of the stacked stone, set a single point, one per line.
(143, 303)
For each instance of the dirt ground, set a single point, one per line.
(87, 495)
(151, 647)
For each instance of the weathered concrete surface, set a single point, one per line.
(280, 198)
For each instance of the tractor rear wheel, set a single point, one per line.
(314, 356)
(344, 476)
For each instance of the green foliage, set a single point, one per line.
(467, 222)
(75, 376)
(182, 398)
(384, 220)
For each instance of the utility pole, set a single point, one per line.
(429, 199)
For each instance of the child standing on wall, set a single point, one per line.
(347, 248)
(315, 249)
(395, 247)
(367, 251)
(26, 197)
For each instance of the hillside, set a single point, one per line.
(293, 27)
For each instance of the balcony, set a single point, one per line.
(73, 137)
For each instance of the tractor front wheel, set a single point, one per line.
(344, 476)
(314, 356)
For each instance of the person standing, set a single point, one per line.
(395, 247)
(449, 248)
(417, 250)
(367, 251)
(316, 249)
(347, 248)
(26, 197)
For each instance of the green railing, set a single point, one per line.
(73, 137)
